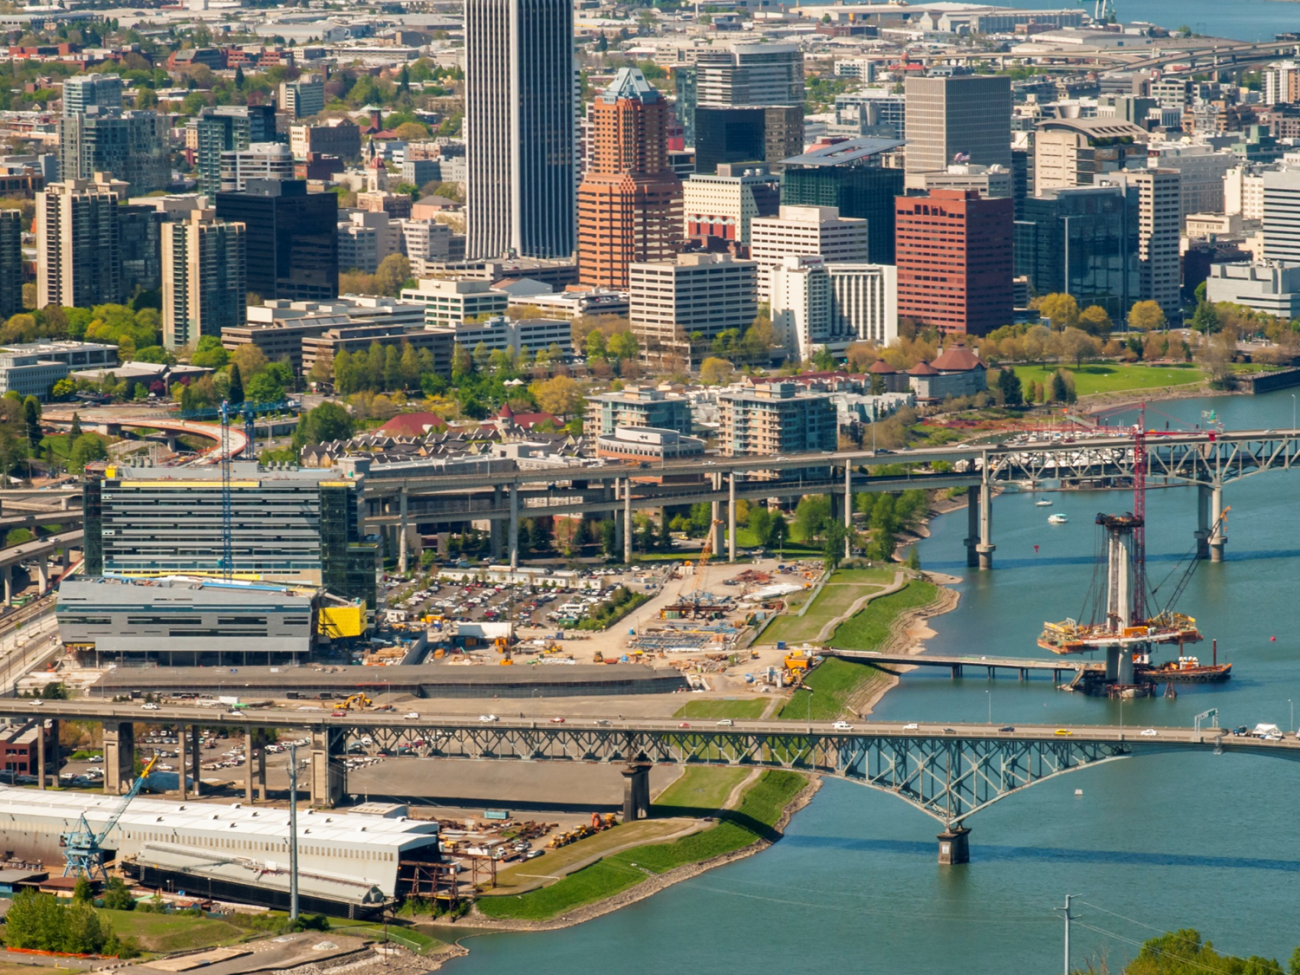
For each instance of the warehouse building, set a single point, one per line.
(191, 622)
(300, 527)
(348, 863)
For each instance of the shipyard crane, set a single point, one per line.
(83, 848)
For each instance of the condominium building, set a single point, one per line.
(297, 526)
(958, 118)
(332, 137)
(1159, 231)
(679, 306)
(203, 278)
(450, 303)
(1282, 216)
(805, 230)
(629, 204)
(426, 242)
(954, 259)
(91, 91)
(637, 406)
(304, 97)
(292, 238)
(775, 419)
(261, 160)
(1281, 83)
(520, 115)
(719, 207)
(227, 128)
(1243, 193)
(818, 305)
(131, 145)
(1074, 151)
(11, 262)
(78, 243)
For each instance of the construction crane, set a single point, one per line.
(227, 517)
(706, 553)
(83, 848)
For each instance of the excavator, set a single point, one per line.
(356, 701)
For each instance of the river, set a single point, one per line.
(1242, 20)
(1152, 844)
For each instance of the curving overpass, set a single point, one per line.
(949, 772)
(39, 549)
(112, 424)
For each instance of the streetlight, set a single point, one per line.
(989, 694)
(1293, 411)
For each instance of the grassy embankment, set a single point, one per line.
(835, 682)
(751, 820)
(1115, 377)
(703, 710)
(845, 587)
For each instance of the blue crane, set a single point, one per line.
(83, 848)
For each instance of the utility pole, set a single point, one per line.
(1065, 912)
(293, 835)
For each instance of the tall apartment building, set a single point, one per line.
(520, 120)
(227, 128)
(292, 238)
(86, 91)
(299, 526)
(960, 118)
(695, 295)
(774, 419)
(954, 258)
(1201, 169)
(426, 242)
(1159, 234)
(449, 303)
(816, 305)
(718, 208)
(637, 406)
(1282, 216)
(1074, 151)
(629, 204)
(130, 145)
(261, 160)
(11, 262)
(78, 243)
(304, 97)
(1281, 83)
(1243, 193)
(848, 175)
(805, 230)
(204, 285)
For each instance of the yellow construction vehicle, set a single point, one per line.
(598, 658)
(356, 701)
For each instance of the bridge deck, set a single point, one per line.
(941, 660)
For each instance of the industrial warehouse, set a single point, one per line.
(348, 863)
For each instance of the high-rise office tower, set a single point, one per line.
(261, 160)
(130, 145)
(204, 286)
(78, 243)
(11, 262)
(953, 252)
(1159, 193)
(750, 74)
(227, 128)
(91, 90)
(520, 121)
(304, 97)
(140, 232)
(748, 105)
(292, 238)
(630, 204)
(962, 118)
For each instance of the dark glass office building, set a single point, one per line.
(292, 238)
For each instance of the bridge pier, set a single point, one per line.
(182, 763)
(196, 760)
(43, 572)
(972, 526)
(627, 521)
(8, 572)
(1220, 537)
(514, 529)
(731, 517)
(954, 846)
(326, 770)
(848, 511)
(119, 756)
(985, 547)
(401, 532)
(636, 792)
(40, 754)
(496, 544)
(1202, 521)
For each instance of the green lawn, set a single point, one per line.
(409, 938)
(870, 628)
(1114, 377)
(752, 819)
(702, 788)
(747, 708)
(167, 933)
(834, 600)
(832, 683)
(879, 576)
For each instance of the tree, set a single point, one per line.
(209, 353)
(462, 364)
(833, 549)
(74, 431)
(235, 391)
(716, 372)
(623, 345)
(239, 76)
(1061, 310)
(1205, 320)
(393, 271)
(812, 515)
(323, 424)
(1059, 394)
(1009, 385)
(265, 387)
(32, 420)
(1146, 316)
(85, 449)
(778, 532)
(117, 896)
(1078, 345)
(560, 395)
(1095, 321)
(596, 345)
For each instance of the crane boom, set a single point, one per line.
(83, 848)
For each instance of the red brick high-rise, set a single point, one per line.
(630, 203)
(953, 250)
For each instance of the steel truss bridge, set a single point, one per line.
(948, 772)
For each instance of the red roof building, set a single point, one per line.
(413, 425)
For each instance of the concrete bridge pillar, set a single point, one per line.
(119, 756)
(636, 792)
(715, 518)
(43, 572)
(8, 572)
(972, 526)
(985, 547)
(627, 521)
(326, 772)
(196, 760)
(496, 526)
(954, 846)
(848, 510)
(731, 517)
(514, 529)
(1220, 537)
(40, 754)
(182, 764)
(1202, 521)
(402, 530)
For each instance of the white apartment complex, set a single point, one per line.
(805, 230)
(1243, 193)
(819, 305)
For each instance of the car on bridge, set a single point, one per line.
(1149, 733)
(842, 726)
